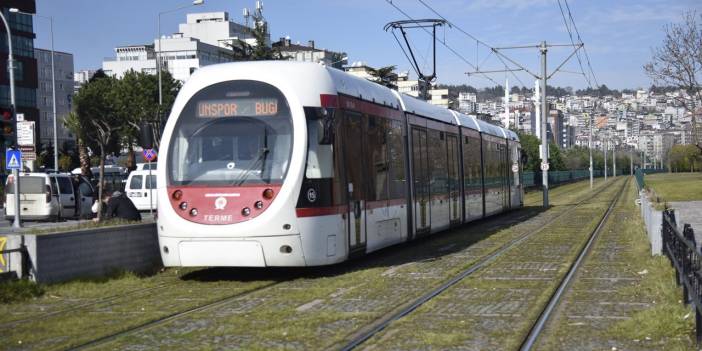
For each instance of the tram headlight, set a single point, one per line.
(259, 204)
(246, 211)
(183, 205)
(177, 195)
(268, 194)
(193, 212)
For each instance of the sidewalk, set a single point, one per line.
(689, 212)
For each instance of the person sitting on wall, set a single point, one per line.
(118, 205)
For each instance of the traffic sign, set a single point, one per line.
(25, 133)
(13, 159)
(515, 168)
(544, 166)
(149, 154)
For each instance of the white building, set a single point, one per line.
(63, 72)
(204, 39)
(439, 97)
(310, 53)
(467, 102)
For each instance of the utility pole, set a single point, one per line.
(543, 77)
(614, 160)
(589, 146)
(16, 222)
(604, 146)
(544, 115)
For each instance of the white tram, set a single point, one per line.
(298, 164)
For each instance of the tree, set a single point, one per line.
(678, 63)
(385, 76)
(73, 123)
(96, 110)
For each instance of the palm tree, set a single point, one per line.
(72, 123)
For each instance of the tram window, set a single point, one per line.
(437, 161)
(396, 144)
(377, 149)
(319, 157)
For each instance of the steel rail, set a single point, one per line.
(406, 309)
(555, 299)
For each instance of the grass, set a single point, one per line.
(676, 186)
(663, 323)
(271, 321)
(19, 290)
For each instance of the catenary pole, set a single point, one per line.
(544, 116)
(604, 146)
(589, 146)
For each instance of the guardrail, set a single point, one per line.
(686, 258)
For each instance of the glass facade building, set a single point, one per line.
(26, 82)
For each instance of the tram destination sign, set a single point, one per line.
(237, 107)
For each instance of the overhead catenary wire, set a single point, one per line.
(587, 56)
(443, 42)
(477, 41)
(570, 34)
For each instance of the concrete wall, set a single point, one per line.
(653, 220)
(88, 253)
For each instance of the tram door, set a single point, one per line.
(354, 151)
(453, 180)
(420, 165)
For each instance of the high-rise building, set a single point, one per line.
(25, 74)
(63, 70)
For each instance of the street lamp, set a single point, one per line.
(53, 82)
(158, 51)
(11, 67)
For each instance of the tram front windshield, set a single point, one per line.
(230, 134)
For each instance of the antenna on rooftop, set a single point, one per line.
(247, 14)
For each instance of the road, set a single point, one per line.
(6, 226)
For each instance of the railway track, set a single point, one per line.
(538, 327)
(373, 330)
(123, 334)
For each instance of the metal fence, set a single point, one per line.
(685, 256)
(533, 179)
(640, 174)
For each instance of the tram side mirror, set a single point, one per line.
(524, 158)
(325, 128)
(146, 136)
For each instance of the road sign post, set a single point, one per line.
(150, 155)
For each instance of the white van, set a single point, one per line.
(137, 189)
(50, 196)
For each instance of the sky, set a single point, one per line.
(618, 34)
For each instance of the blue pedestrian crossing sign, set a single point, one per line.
(13, 159)
(149, 154)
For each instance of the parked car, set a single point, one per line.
(146, 166)
(115, 177)
(50, 196)
(137, 189)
